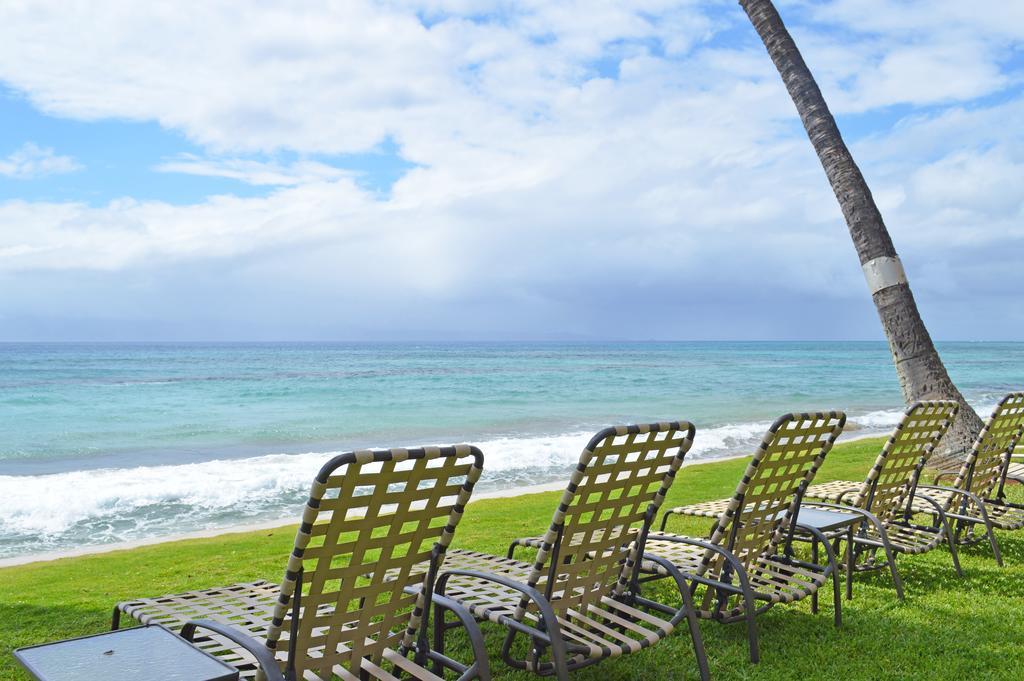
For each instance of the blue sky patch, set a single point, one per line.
(120, 158)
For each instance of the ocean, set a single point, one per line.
(106, 443)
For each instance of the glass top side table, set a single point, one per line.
(139, 654)
(833, 524)
(825, 520)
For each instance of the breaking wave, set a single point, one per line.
(64, 510)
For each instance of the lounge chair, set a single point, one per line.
(576, 603)
(976, 497)
(885, 499)
(748, 557)
(356, 596)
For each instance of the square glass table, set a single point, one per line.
(834, 524)
(825, 520)
(139, 654)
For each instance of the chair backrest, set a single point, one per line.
(767, 497)
(986, 462)
(591, 548)
(376, 523)
(896, 470)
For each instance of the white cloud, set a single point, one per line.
(254, 172)
(870, 54)
(996, 19)
(538, 181)
(30, 162)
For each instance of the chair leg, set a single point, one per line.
(695, 636)
(439, 630)
(837, 601)
(814, 559)
(896, 581)
(849, 564)
(993, 543)
(990, 532)
(752, 639)
(951, 540)
(558, 658)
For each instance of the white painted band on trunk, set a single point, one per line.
(884, 272)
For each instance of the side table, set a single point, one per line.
(139, 654)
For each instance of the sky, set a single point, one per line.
(474, 170)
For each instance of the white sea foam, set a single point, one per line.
(886, 419)
(733, 438)
(115, 504)
(876, 420)
(55, 502)
(61, 510)
(123, 503)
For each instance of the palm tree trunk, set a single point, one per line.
(918, 365)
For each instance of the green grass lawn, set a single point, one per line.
(948, 628)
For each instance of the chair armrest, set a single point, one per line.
(734, 562)
(683, 510)
(684, 589)
(980, 503)
(842, 495)
(955, 490)
(664, 517)
(521, 541)
(267, 661)
(939, 511)
(552, 629)
(476, 636)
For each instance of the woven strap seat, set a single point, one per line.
(538, 542)
(603, 628)
(356, 591)
(947, 498)
(780, 581)
(834, 491)
(704, 509)
(1002, 516)
(902, 538)
(1005, 517)
(484, 599)
(772, 579)
(248, 607)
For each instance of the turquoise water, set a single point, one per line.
(110, 442)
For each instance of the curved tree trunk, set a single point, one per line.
(920, 369)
